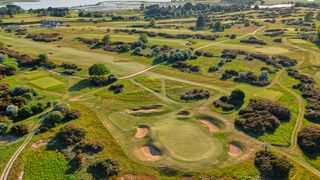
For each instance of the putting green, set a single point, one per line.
(34, 74)
(46, 82)
(188, 142)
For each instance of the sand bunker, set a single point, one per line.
(147, 109)
(234, 150)
(40, 143)
(150, 152)
(212, 127)
(142, 131)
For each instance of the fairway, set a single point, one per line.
(269, 94)
(46, 82)
(188, 142)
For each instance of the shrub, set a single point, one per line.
(309, 139)
(19, 130)
(262, 116)
(90, 147)
(271, 165)
(53, 118)
(195, 94)
(71, 115)
(105, 168)
(25, 112)
(70, 135)
(62, 107)
(116, 88)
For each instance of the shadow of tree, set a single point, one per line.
(85, 83)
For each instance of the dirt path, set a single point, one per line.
(216, 43)
(7, 169)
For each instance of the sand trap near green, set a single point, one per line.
(46, 82)
(188, 142)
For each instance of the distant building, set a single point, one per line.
(51, 24)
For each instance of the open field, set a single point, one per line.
(160, 118)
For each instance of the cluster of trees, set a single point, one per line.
(61, 113)
(45, 37)
(262, 116)
(272, 166)
(17, 104)
(70, 69)
(175, 55)
(228, 103)
(7, 70)
(195, 94)
(10, 10)
(253, 40)
(91, 14)
(183, 66)
(56, 12)
(313, 37)
(310, 93)
(277, 61)
(98, 72)
(250, 78)
(187, 10)
(309, 139)
(167, 35)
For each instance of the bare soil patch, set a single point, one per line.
(142, 131)
(40, 143)
(212, 127)
(234, 149)
(150, 152)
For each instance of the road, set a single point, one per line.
(7, 169)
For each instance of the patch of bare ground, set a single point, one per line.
(135, 177)
(142, 131)
(234, 149)
(150, 152)
(21, 175)
(40, 143)
(212, 127)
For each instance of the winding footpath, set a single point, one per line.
(7, 169)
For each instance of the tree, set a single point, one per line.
(2, 57)
(144, 38)
(43, 58)
(106, 39)
(237, 94)
(309, 139)
(201, 22)
(19, 130)
(62, 107)
(98, 70)
(54, 117)
(12, 110)
(152, 22)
